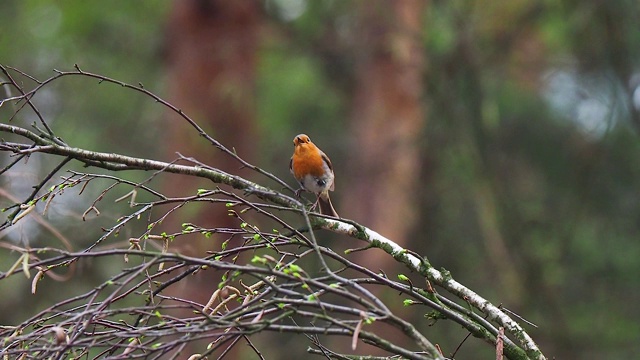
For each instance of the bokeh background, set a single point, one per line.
(500, 139)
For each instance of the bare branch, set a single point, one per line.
(280, 280)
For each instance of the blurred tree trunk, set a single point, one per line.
(211, 48)
(387, 117)
(212, 53)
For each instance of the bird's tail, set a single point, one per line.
(326, 207)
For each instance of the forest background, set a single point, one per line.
(500, 139)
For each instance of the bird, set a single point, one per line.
(313, 170)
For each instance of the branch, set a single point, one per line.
(116, 162)
(444, 280)
(282, 289)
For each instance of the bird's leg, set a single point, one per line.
(315, 204)
(297, 192)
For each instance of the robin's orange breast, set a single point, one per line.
(307, 162)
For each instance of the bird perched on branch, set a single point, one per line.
(313, 171)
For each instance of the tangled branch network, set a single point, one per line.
(277, 281)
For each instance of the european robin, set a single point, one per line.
(313, 170)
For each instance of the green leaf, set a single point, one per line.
(295, 268)
(258, 260)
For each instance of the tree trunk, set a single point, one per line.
(211, 48)
(212, 54)
(387, 117)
